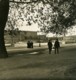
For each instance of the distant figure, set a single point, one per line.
(56, 46)
(31, 43)
(50, 46)
(28, 44)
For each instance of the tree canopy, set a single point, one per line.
(51, 15)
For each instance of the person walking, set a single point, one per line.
(56, 46)
(31, 43)
(28, 44)
(50, 46)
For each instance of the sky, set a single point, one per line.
(33, 27)
(71, 31)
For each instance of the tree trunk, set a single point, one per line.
(4, 8)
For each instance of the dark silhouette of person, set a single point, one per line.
(56, 46)
(31, 43)
(28, 44)
(50, 46)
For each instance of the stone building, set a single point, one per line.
(20, 36)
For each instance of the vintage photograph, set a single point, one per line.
(37, 39)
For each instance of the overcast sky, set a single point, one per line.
(33, 27)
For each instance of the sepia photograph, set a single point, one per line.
(37, 39)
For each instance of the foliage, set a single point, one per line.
(51, 15)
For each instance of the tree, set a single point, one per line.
(51, 15)
(4, 8)
(65, 15)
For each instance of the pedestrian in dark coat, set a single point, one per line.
(56, 46)
(28, 44)
(50, 46)
(31, 43)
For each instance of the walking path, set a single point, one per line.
(39, 67)
(19, 49)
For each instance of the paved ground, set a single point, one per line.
(24, 50)
(40, 66)
(13, 49)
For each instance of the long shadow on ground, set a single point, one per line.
(40, 51)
